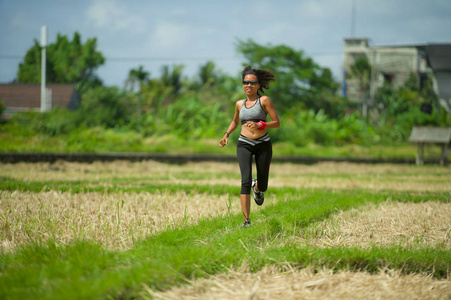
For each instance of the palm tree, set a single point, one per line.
(173, 78)
(361, 70)
(207, 73)
(136, 76)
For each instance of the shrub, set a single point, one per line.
(187, 117)
(107, 106)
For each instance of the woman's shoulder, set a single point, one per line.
(264, 99)
(239, 103)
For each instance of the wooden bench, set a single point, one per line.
(431, 135)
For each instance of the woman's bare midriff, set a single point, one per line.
(252, 133)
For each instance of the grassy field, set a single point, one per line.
(165, 231)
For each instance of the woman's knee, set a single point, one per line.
(262, 185)
(246, 186)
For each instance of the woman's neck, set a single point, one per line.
(252, 98)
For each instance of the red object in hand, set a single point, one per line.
(261, 125)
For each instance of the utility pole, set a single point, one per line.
(373, 76)
(353, 19)
(43, 68)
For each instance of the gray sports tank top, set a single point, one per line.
(254, 113)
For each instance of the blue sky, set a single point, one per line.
(156, 33)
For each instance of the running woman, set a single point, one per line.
(254, 139)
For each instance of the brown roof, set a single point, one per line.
(24, 96)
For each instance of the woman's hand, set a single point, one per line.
(224, 141)
(252, 125)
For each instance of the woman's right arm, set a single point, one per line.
(233, 125)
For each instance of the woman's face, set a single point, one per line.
(250, 85)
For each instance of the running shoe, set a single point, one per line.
(247, 224)
(259, 197)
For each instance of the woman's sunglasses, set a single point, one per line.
(245, 82)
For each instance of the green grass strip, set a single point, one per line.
(85, 186)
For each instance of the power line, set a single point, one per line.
(169, 58)
(155, 58)
(7, 56)
(148, 58)
(327, 53)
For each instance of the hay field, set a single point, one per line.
(270, 283)
(344, 175)
(118, 219)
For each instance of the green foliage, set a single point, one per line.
(398, 110)
(107, 106)
(352, 129)
(139, 76)
(155, 93)
(53, 123)
(361, 69)
(56, 122)
(211, 85)
(208, 75)
(306, 127)
(30, 68)
(172, 77)
(300, 81)
(188, 117)
(67, 62)
(188, 109)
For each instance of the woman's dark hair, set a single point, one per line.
(264, 78)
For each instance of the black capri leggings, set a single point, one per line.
(263, 156)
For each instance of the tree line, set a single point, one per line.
(305, 95)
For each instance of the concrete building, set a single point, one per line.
(396, 64)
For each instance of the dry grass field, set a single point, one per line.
(377, 177)
(115, 220)
(118, 219)
(270, 283)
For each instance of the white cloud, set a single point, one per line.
(114, 15)
(324, 9)
(20, 19)
(178, 12)
(168, 36)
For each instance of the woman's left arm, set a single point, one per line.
(268, 106)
